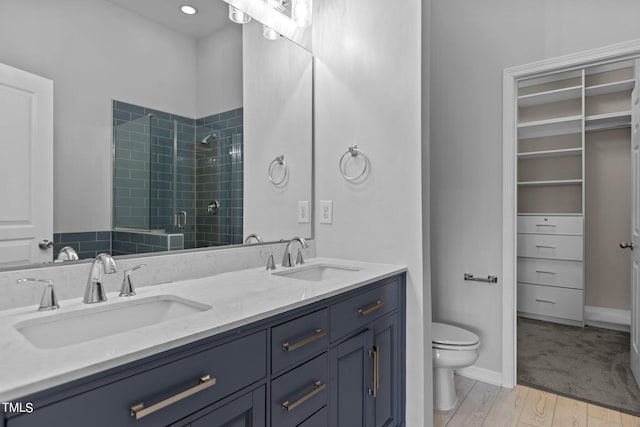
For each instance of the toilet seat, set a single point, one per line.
(449, 337)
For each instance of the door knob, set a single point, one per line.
(45, 244)
(625, 245)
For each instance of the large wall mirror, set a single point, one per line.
(167, 127)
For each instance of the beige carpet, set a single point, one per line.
(589, 364)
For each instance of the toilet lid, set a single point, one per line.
(452, 335)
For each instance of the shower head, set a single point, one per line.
(208, 139)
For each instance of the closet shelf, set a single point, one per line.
(557, 95)
(614, 87)
(549, 183)
(558, 126)
(565, 152)
(608, 121)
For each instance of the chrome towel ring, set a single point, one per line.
(342, 164)
(279, 160)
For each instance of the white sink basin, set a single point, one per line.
(317, 272)
(60, 330)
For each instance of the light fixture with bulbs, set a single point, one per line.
(298, 11)
(269, 33)
(238, 16)
(188, 10)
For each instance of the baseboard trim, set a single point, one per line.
(481, 374)
(608, 318)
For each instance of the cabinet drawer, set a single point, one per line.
(295, 341)
(319, 419)
(551, 272)
(359, 310)
(538, 224)
(549, 246)
(234, 365)
(299, 393)
(550, 301)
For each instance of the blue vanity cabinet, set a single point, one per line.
(366, 363)
(338, 362)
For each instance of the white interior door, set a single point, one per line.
(635, 226)
(26, 167)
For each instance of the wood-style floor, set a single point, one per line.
(486, 405)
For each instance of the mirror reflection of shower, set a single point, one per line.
(166, 165)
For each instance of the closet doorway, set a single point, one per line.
(570, 207)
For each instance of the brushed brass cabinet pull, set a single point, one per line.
(373, 391)
(319, 333)
(365, 311)
(318, 386)
(139, 411)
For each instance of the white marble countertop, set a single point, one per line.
(236, 299)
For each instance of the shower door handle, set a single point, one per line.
(181, 223)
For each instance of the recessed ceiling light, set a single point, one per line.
(189, 10)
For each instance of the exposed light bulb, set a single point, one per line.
(301, 11)
(238, 16)
(188, 10)
(269, 33)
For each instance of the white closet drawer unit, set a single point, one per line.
(550, 301)
(550, 246)
(551, 272)
(538, 224)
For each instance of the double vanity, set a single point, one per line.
(319, 344)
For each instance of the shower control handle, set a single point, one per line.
(213, 206)
(626, 245)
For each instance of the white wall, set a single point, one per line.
(219, 71)
(368, 92)
(94, 52)
(277, 121)
(471, 43)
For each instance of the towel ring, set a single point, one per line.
(353, 152)
(279, 160)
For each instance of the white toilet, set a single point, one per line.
(453, 348)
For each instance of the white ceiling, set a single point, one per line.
(212, 14)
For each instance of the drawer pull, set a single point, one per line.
(318, 386)
(366, 311)
(545, 225)
(546, 247)
(545, 272)
(139, 411)
(545, 300)
(319, 333)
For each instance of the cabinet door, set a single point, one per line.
(351, 382)
(386, 370)
(245, 411)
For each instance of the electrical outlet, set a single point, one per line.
(326, 212)
(303, 212)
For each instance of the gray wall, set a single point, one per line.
(608, 218)
(471, 43)
(121, 56)
(368, 92)
(219, 71)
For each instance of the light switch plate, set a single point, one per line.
(303, 212)
(326, 212)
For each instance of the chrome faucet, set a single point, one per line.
(48, 300)
(253, 236)
(286, 261)
(67, 254)
(94, 292)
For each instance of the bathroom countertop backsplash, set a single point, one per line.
(70, 279)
